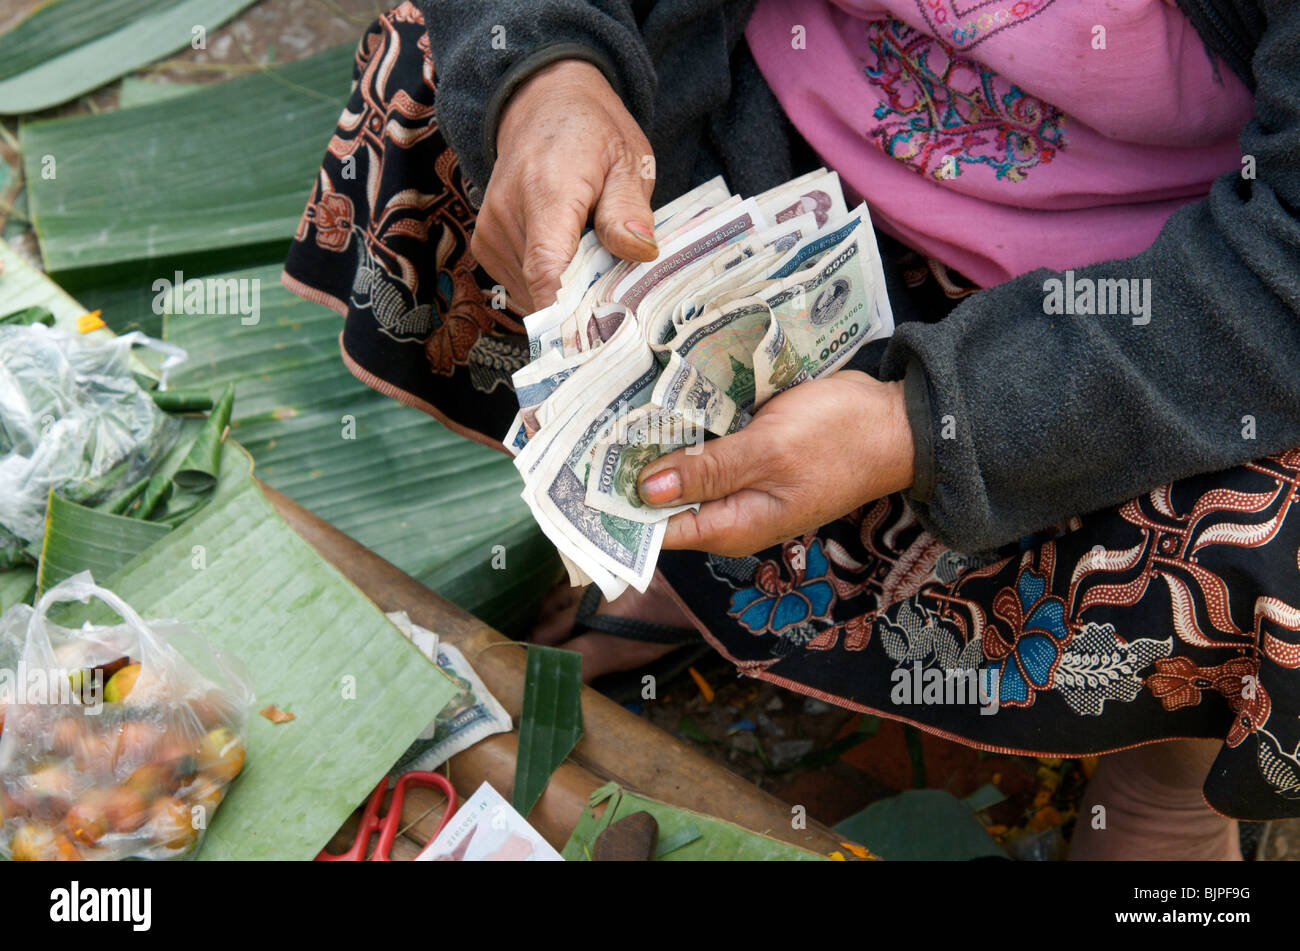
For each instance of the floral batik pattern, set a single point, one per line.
(1176, 614)
(384, 240)
(942, 114)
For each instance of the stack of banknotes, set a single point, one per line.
(747, 297)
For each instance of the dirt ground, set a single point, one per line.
(829, 760)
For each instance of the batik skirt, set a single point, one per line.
(1174, 615)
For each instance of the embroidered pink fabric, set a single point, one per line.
(1004, 135)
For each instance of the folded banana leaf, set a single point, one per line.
(441, 508)
(684, 836)
(550, 723)
(78, 538)
(69, 47)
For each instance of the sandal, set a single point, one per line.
(625, 687)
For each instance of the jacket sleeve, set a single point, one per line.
(1023, 418)
(483, 49)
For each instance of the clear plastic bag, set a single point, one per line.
(72, 418)
(112, 744)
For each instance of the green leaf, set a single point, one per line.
(431, 502)
(23, 286)
(70, 47)
(57, 26)
(692, 731)
(119, 503)
(313, 643)
(156, 492)
(684, 836)
(985, 797)
(79, 538)
(198, 473)
(182, 401)
(921, 825)
(679, 839)
(145, 92)
(550, 722)
(206, 182)
(28, 316)
(17, 585)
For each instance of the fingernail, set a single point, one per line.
(642, 232)
(662, 487)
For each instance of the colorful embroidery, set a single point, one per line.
(941, 112)
(967, 23)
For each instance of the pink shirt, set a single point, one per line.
(1003, 135)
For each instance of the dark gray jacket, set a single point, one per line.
(1020, 419)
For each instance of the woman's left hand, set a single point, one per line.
(810, 455)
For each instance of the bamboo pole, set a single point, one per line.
(615, 745)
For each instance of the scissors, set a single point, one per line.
(371, 822)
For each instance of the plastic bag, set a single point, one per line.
(112, 744)
(72, 418)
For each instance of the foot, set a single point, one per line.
(607, 653)
(1146, 804)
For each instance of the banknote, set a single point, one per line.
(747, 298)
(626, 549)
(714, 232)
(638, 439)
(800, 327)
(472, 715)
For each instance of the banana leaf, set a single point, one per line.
(78, 538)
(550, 723)
(435, 504)
(119, 503)
(696, 837)
(183, 401)
(17, 585)
(145, 92)
(23, 286)
(57, 26)
(922, 825)
(28, 316)
(313, 644)
(70, 47)
(361, 692)
(198, 471)
(209, 181)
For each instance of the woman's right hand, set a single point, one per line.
(566, 147)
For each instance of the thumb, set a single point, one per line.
(703, 473)
(552, 240)
(623, 220)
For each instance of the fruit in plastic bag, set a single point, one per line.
(132, 747)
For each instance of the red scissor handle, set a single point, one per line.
(387, 825)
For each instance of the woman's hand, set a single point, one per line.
(812, 454)
(566, 145)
